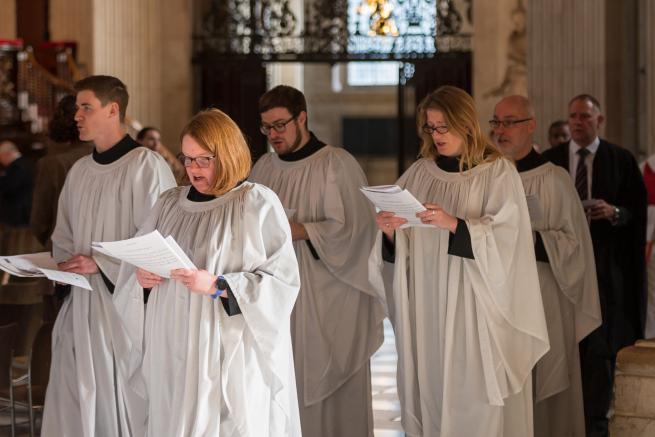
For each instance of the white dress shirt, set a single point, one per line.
(574, 157)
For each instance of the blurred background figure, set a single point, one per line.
(150, 137)
(16, 185)
(52, 169)
(558, 133)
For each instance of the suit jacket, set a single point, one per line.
(618, 249)
(16, 187)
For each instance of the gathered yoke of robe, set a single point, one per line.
(569, 289)
(202, 370)
(106, 197)
(468, 330)
(337, 320)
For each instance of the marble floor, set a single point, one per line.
(386, 408)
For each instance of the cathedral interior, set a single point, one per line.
(363, 65)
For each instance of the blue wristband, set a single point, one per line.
(221, 285)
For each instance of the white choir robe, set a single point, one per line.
(202, 372)
(569, 290)
(86, 395)
(468, 331)
(650, 260)
(337, 321)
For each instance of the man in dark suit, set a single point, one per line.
(612, 191)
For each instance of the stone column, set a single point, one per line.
(127, 44)
(499, 44)
(8, 19)
(566, 56)
(647, 76)
(176, 71)
(72, 20)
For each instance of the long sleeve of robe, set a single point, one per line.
(468, 331)
(570, 294)
(337, 320)
(97, 203)
(205, 372)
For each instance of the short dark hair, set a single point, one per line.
(142, 133)
(588, 97)
(63, 127)
(283, 96)
(556, 124)
(107, 89)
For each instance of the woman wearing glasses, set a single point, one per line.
(465, 304)
(217, 353)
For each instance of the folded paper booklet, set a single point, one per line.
(150, 252)
(39, 265)
(392, 198)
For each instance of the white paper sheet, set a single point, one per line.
(27, 265)
(392, 198)
(534, 208)
(38, 265)
(589, 203)
(149, 252)
(67, 278)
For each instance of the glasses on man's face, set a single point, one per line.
(442, 129)
(201, 161)
(278, 127)
(507, 124)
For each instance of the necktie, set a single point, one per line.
(581, 174)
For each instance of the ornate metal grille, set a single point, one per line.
(332, 30)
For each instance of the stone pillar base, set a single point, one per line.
(634, 391)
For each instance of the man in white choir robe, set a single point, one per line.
(565, 262)
(337, 320)
(106, 197)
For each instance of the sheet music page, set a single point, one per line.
(67, 278)
(150, 252)
(392, 199)
(180, 252)
(27, 265)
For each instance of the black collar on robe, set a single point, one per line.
(530, 161)
(312, 146)
(116, 152)
(196, 196)
(449, 164)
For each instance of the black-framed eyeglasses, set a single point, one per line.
(279, 127)
(442, 129)
(507, 124)
(201, 161)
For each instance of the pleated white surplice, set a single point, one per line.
(468, 331)
(86, 397)
(337, 321)
(205, 373)
(569, 291)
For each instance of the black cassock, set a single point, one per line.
(620, 267)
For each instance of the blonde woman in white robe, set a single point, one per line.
(217, 358)
(467, 309)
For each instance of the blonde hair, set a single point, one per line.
(459, 113)
(218, 134)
